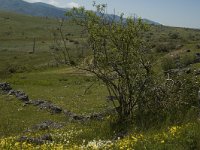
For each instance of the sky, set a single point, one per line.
(180, 13)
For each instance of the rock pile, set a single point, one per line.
(49, 106)
(5, 87)
(46, 105)
(36, 140)
(45, 125)
(20, 95)
(94, 116)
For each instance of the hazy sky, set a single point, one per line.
(183, 13)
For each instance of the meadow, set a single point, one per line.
(40, 77)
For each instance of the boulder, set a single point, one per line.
(37, 102)
(21, 96)
(49, 106)
(5, 87)
(12, 92)
(46, 137)
(36, 140)
(45, 126)
(55, 109)
(188, 50)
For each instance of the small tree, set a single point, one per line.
(119, 56)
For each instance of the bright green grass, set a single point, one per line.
(65, 87)
(15, 118)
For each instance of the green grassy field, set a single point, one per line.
(38, 76)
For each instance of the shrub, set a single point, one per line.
(187, 60)
(168, 63)
(165, 47)
(14, 68)
(173, 35)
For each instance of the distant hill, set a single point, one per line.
(40, 9)
(33, 9)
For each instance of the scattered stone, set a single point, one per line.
(11, 92)
(22, 139)
(37, 102)
(188, 50)
(187, 70)
(179, 46)
(46, 125)
(94, 116)
(5, 87)
(36, 140)
(120, 135)
(179, 71)
(42, 126)
(42, 104)
(97, 116)
(197, 60)
(49, 106)
(28, 102)
(21, 96)
(75, 117)
(198, 54)
(55, 109)
(46, 137)
(111, 98)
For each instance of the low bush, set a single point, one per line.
(165, 47)
(187, 60)
(168, 63)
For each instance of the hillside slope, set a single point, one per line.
(34, 9)
(43, 9)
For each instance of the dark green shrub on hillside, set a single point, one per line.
(170, 102)
(120, 58)
(165, 47)
(14, 68)
(168, 63)
(187, 60)
(173, 35)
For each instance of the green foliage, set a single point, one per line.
(162, 104)
(119, 56)
(168, 63)
(187, 59)
(173, 35)
(165, 47)
(121, 60)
